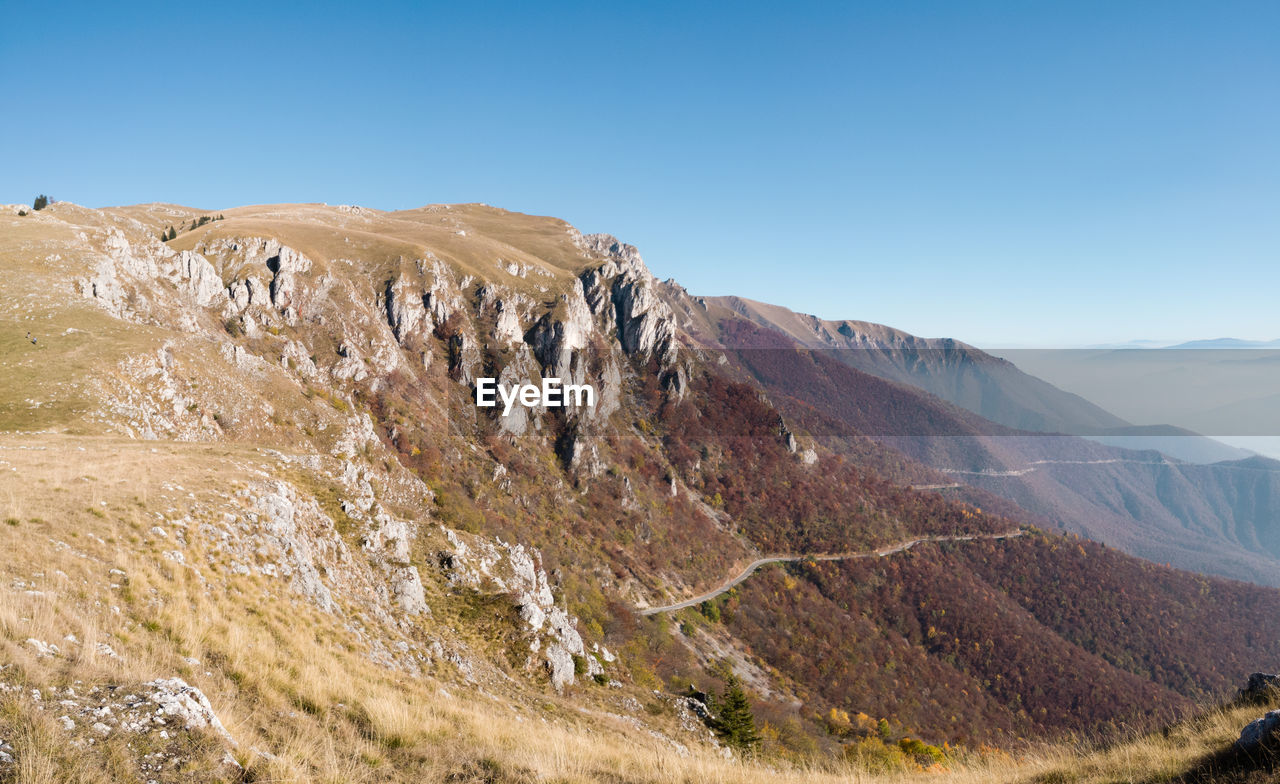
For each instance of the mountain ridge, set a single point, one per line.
(268, 419)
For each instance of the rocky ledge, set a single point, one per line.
(167, 718)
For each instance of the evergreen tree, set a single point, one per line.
(734, 723)
(41, 202)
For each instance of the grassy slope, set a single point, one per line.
(287, 678)
(488, 235)
(75, 340)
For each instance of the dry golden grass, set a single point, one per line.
(298, 692)
(471, 237)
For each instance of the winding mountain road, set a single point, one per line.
(1035, 465)
(756, 564)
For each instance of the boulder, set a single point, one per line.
(406, 584)
(560, 666)
(1260, 684)
(1259, 730)
(175, 698)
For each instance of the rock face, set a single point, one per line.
(125, 272)
(148, 398)
(624, 292)
(516, 422)
(580, 454)
(405, 311)
(283, 535)
(507, 327)
(202, 280)
(619, 297)
(282, 527)
(246, 258)
(285, 266)
(615, 306)
(516, 570)
(566, 329)
(442, 299)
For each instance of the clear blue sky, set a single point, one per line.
(1033, 173)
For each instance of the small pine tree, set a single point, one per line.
(40, 203)
(883, 729)
(734, 722)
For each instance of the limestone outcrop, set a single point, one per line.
(516, 570)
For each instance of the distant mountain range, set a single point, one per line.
(1222, 518)
(992, 387)
(1228, 343)
(984, 384)
(1211, 343)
